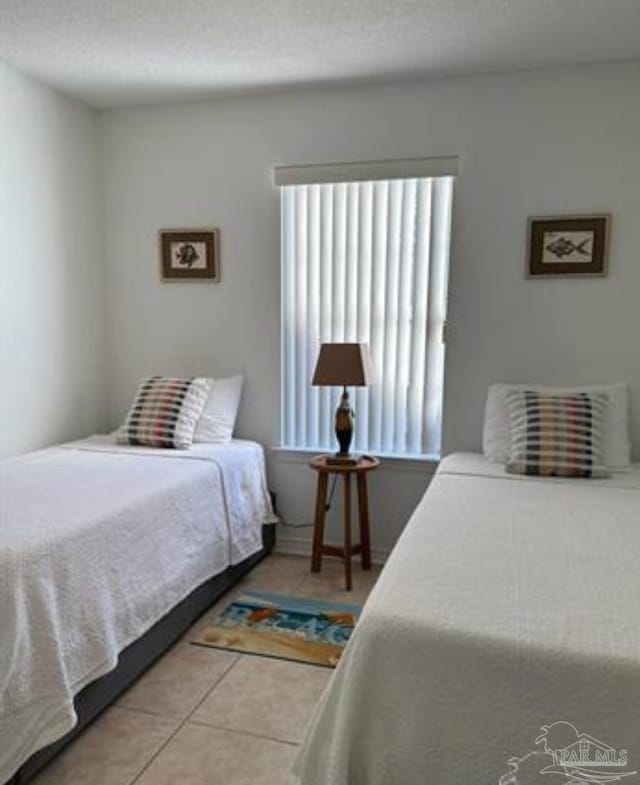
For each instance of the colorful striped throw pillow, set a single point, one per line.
(557, 435)
(165, 413)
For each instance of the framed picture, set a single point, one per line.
(190, 255)
(571, 245)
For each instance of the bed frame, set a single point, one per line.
(137, 657)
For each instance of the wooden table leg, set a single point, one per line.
(363, 504)
(347, 530)
(318, 524)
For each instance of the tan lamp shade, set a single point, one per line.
(343, 364)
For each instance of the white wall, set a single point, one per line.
(51, 321)
(537, 143)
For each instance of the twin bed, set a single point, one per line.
(107, 554)
(508, 604)
(505, 617)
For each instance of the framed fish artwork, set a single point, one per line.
(568, 246)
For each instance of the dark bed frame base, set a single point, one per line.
(137, 657)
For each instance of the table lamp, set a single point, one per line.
(343, 364)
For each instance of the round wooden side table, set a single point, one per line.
(364, 465)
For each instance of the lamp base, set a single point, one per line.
(344, 425)
(338, 459)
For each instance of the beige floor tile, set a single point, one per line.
(357, 596)
(175, 685)
(112, 751)
(277, 573)
(197, 628)
(200, 755)
(329, 583)
(267, 697)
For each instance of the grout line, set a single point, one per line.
(183, 722)
(238, 732)
(301, 584)
(223, 675)
(146, 712)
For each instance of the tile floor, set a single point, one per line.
(206, 717)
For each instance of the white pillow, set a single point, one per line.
(218, 417)
(496, 438)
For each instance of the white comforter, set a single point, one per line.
(508, 604)
(97, 543)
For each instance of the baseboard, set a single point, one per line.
(301, 546)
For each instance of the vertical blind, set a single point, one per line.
(366, 261)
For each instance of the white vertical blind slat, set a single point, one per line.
(326, 319)
(351, 265)
(289, 312)
(420, 294)
(405, 314)
(339, 261)
(366, 261)
(352, 275)
(380, 231)
(363, 327)
(302, 326)
(441, 215)
(313, 299)
(394, 211)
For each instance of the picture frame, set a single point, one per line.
(190, 255)
(573, 246)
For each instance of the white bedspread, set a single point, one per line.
(508, 603)
(97, 543)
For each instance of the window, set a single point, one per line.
(366, 260)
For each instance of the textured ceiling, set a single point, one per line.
(129, 51)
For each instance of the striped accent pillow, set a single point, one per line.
(165, 413)
(557, 435)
